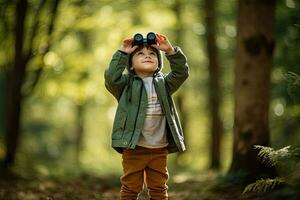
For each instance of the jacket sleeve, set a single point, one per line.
(115, 80)
(179, 70)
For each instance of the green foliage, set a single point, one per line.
(286, 159)
(293, 89)
(285, 126)
(263, 185)
(85, 35)
(281, 157)
(2, 103)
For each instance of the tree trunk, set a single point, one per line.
(216, 125)
(179, 34)
(15, 80)
(178, 41)
(253, 63)
(16, 75)
(79, 131)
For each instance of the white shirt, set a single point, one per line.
(154, 131)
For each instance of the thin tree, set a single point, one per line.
(80, 108)
(178, 40)
(253, 61)
(16, 74)
(214, 91)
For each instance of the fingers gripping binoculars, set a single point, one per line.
(139, 40)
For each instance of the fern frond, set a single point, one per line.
(293, 87)
(263, 185)
(272, 157)
(293, 77)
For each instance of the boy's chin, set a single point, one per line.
(146, 72)
(150, 69)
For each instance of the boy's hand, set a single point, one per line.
(127, 46)
(164, 44)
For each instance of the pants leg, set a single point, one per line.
(156, 174)
(132, 180)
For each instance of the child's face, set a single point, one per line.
(145, 61)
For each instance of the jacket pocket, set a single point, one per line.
(119, 127)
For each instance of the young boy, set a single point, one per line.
(146, 126)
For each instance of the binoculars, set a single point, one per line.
(139, 40)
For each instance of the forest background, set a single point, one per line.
(56, 115)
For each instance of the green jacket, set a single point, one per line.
(132, 99)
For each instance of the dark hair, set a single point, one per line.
(141, 47)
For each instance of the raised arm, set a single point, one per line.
(115, 80)
(178, 63)
(179, 70)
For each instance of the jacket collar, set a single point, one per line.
(155, 74)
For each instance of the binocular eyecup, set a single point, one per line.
(139, 40)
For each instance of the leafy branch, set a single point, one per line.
(264, 185)
(272, 157)
(293, 87)
(286, 156)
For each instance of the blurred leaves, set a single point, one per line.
(293, 80)
(85, 35)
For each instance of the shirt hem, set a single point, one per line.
(152, 146)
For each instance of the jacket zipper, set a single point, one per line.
(136, 117)
(172, 112)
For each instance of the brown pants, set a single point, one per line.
(144, 165)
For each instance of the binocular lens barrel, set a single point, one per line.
(137, 40)
(151, 36)
(140, 41)
(138, 37)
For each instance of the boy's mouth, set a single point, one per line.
(148, 61)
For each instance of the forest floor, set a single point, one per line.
(206, 186)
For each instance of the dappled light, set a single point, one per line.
(243, 89)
